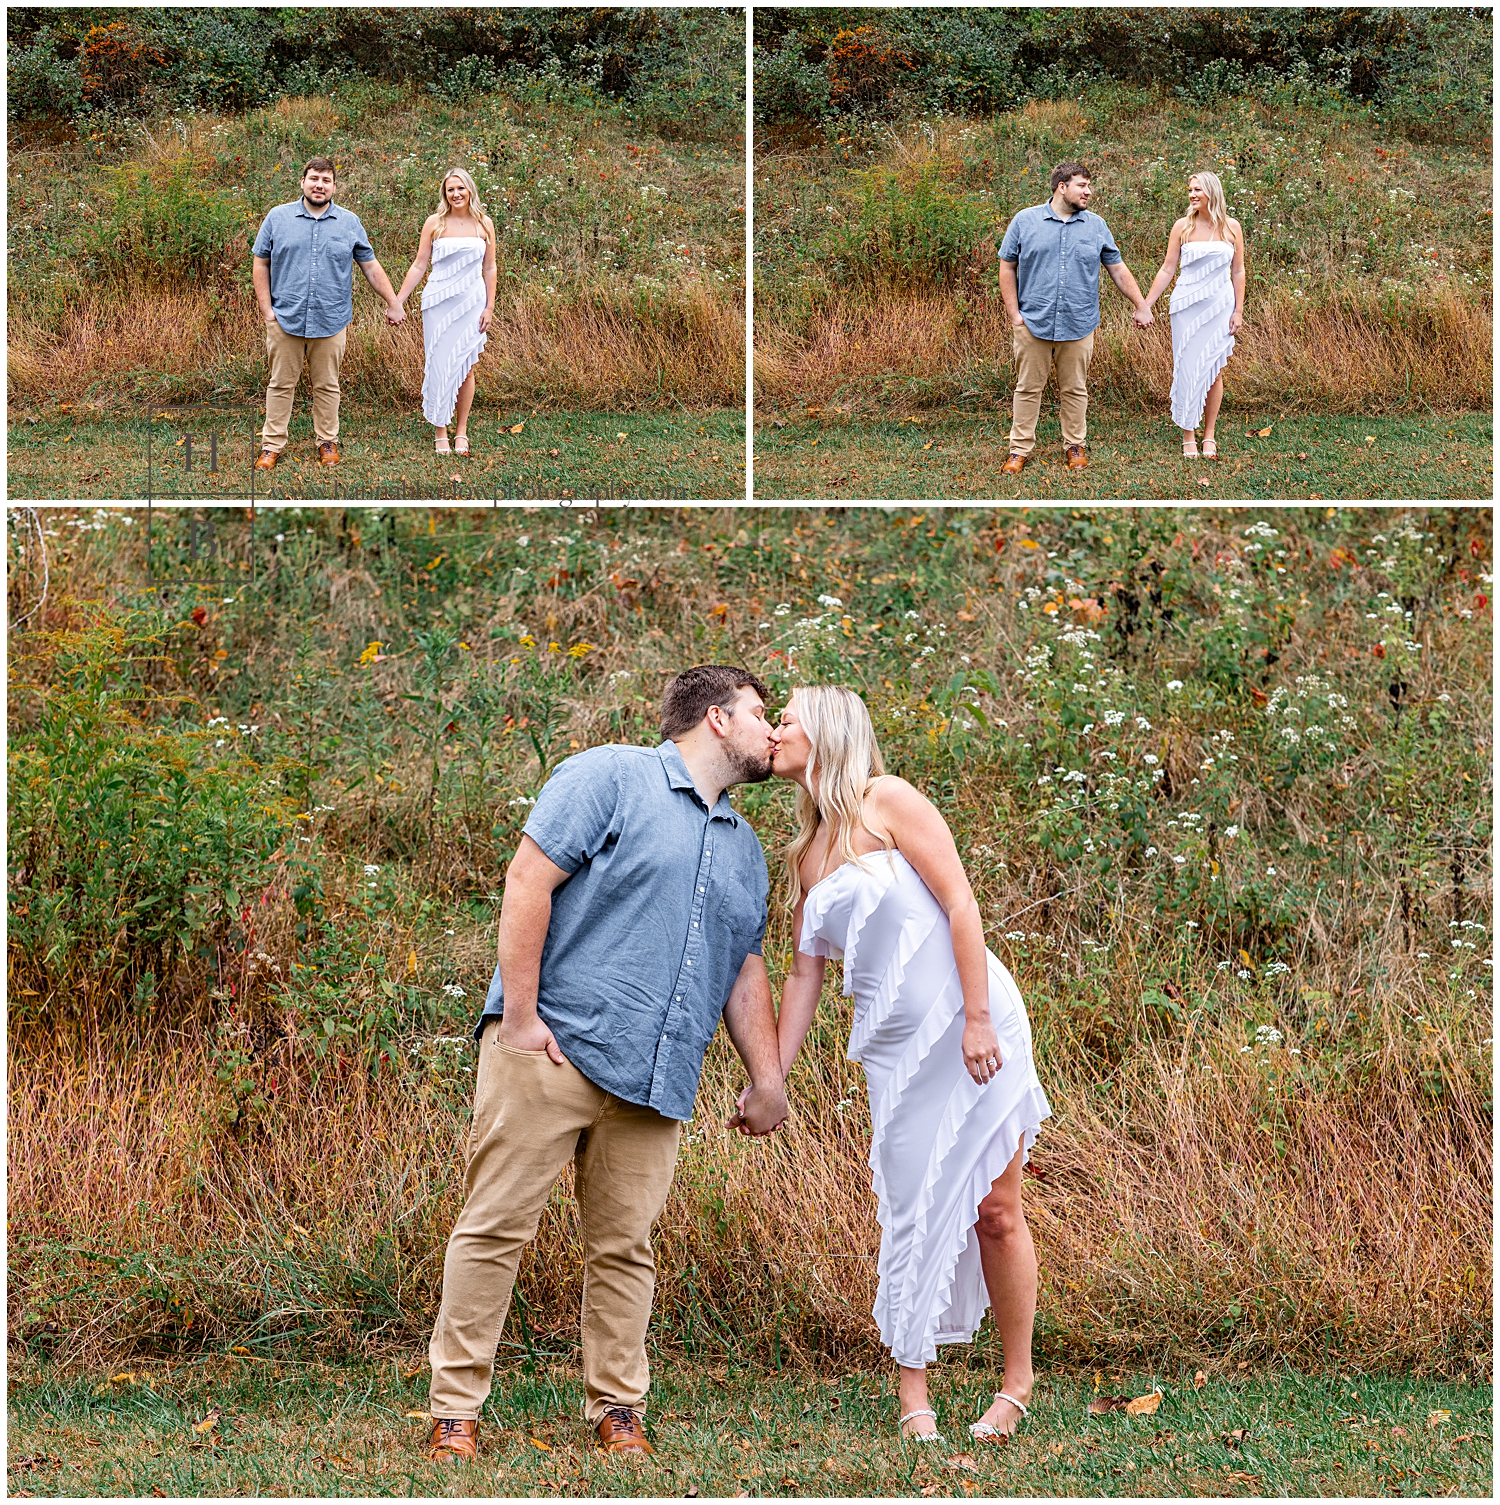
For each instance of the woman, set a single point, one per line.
(941, 1031)
(458, 304)
(1208, 307)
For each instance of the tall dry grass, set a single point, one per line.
(1199, 1204)
(602, 350)
(1349, 353)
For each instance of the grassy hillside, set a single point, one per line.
(621, 249)
(1221, 779)
(1369, 254)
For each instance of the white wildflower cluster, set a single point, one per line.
(520, 799)
(453, 990)
(1266, 1035)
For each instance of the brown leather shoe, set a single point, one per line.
(620, 1431)
(268, 459)
(328, 453)
(452, 1440)
(1012, 466)
(1076, 457)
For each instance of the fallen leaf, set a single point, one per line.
(554, 453)
(1102, 1405)
(1436, 1419)
(239, 1348)
(776, 423)
(928, 445)
(411, 960)
(1199, 1380)
(455, 478)
(418, 1416)
(1235, 1438)
(928, 1490)
(622, 437)
(209, 1422)
(1398, 1431)
(516, 428)
(127, 1378)
(1263, 433)
(692, 1492)
(413, 1372)
(1243, 1478)
(966, 616)
(1462, 1437)
(1302, 456)
(1144, 1405)
(537, 1443)
(964, 1460)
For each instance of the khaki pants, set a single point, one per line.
(531, 1117)
(1035, 360)
(323, 359)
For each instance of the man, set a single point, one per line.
(302, 282)
(1049, 278)
(632, 919)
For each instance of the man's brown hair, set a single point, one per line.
(685, 701)
(320, 164)
(1065, 170)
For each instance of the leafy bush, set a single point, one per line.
(1424, 69)
(132, 845)
(169, 227)
(910, 229)
(42, 83)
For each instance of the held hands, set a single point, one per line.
(1143, 316)
(981, 1050)
(530, 1035)
(395, 313)
(759, 1111)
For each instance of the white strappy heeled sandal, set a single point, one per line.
(919, 1436)
(987, 1431)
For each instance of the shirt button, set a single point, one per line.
(695, 924)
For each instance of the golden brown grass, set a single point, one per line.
(598, 351)
(1345, 354)
(1203, 1203)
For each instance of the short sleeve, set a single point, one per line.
(760, 928)
(576, 811)
(363, 250)
(1010, 247)
(265, 239)
(1109, 252)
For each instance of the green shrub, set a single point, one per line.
(909, 228)
(41, 83)
(170, 228)
(132, 846)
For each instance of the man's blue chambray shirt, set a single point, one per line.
(665, 901)
(312, 262)
(1057, 269)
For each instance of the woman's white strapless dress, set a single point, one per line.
(940, 1140)
(1201, 305)
(451, 304)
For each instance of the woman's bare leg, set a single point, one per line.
(1211, 407)
(465, 402)
(913, 1390)
(1008, 1259)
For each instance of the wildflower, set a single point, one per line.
(1222, 967)
(453, 990)
(370, 870)
(521, 800)
(1141, 722)
(1151, 759)
(1230, 832)
(578, 650)
(1174, 685)
(1151, 851)
(1242, 973)
(829, 601)
(1179, 859)
(371, 653)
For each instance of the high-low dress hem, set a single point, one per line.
(939, 1141)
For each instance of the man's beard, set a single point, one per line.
(749, 767)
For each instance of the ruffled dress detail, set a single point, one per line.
(452, 302)
(1201, 304)
(940, 1140)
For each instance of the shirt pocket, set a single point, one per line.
(739, 914)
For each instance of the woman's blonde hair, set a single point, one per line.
(476, 208)
(1218, 210)
(844, 759)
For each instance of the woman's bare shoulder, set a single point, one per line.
(1179, 227)
(890, 791)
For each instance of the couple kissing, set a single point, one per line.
(632, 920)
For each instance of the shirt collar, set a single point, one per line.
(679, 778)
(329, 213)
(1048, 212)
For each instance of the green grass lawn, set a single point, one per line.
(556, 455)
(958, 455)
(314, 1429)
